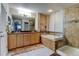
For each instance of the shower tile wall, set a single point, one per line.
(72, 26)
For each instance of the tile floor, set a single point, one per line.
(34, 50)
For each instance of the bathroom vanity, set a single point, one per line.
(21, 39)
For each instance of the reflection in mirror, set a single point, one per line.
(23, 23)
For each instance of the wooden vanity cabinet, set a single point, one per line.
(11, 41)
(16, 40)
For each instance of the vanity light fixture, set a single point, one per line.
(24, 11)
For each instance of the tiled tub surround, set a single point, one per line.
(53, 41)
(72, 26)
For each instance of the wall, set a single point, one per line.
(37, 21)
(52, 22)
(56, 21)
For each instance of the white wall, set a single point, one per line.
(52, 22)
(0, 9)
(56, 21)
(37, 22)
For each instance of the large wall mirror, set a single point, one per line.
(23, 23)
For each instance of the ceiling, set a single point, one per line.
(41, 7)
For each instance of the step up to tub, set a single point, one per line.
(68, 51)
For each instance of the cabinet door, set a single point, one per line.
(19, 42)
(26, 39)
(12, 41)
(37, 37)
(32, 38)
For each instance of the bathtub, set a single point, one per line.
(52, 37)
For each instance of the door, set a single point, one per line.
(0, 24)
(3, 33)
(43, 22)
